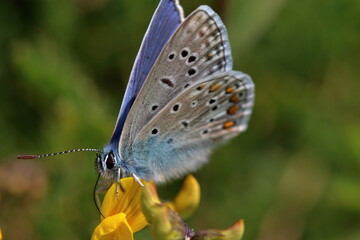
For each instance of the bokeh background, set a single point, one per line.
(295, 174)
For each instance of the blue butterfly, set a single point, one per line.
(182, 99)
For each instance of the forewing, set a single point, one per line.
(178, 140)
(166, 19)
(198, 48)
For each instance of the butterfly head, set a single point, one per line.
(108, 164)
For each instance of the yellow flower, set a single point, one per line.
(0, 234)
(188, 199)
(165, 218)
(235, 232)
(135, 207)
(166, 224)
(123, 215)
(185, 203)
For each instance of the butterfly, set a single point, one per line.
(182, 99)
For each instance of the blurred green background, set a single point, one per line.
(295, 174)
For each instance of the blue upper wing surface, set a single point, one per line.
(166, 19)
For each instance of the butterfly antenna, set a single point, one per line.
(53, 154)
(96, 197)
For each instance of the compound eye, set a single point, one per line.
(110, 161)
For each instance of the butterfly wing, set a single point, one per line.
(166, 19)
(198, 48)
(178, 140)
(155, 143)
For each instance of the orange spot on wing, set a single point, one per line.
(234, 99)
(230, 90)
(232, 110)
(214, 87)
(228, 124)
(200, 87)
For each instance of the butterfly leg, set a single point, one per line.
(119, 184)
(137, 179)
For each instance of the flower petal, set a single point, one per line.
(165, 223)
(127, 201)
(188, 199)
(114, 227)
(149, 199)
(0, 234)
(235, 232)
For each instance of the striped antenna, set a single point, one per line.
(53, 154)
